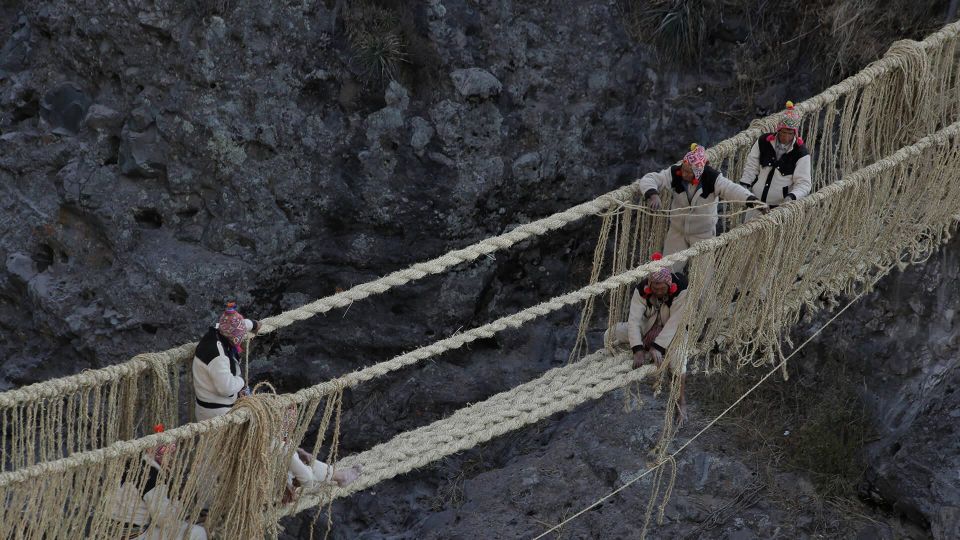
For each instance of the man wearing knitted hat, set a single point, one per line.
(655, 313)
(696, 188)
(145, 507)
(777, 170)
(216, 364)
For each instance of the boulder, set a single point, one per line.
(476, 83)
(142, 149)
(64, 108)
(103, 118)
(15, 54)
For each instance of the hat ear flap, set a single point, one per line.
(646, 290)
(673, 288)
(799, 140)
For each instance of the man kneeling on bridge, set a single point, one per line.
(655, 313)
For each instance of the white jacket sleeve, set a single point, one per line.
(802, 183)
(163, 511)
(655, 181)
(635, 320)
(321, 471)
(670, 327)
(225, 383)
(752, 166)
(300, 470)
(310, 475)
(729, 190)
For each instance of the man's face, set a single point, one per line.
(786, 136)
(687, 171)
(165, 456)
(659, 290)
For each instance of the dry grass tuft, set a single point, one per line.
(815, 423)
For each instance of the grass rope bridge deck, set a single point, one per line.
(907, 94)
(38, 494)
(835, 242)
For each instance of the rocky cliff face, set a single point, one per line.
(160, 157)
(905, 344)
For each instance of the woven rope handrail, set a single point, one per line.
(745, 231)
(540, 227)
(831, 240)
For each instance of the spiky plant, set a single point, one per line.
(677, 27)
(379, 50)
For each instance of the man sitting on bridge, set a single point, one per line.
(696, 186)
(144, 506)
(216, 364)
(778, 166)
(655, 314)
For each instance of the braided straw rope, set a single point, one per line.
(895, 191)
(909, 92)
(559, 389)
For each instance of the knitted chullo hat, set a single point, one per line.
(231, 325)
(697, 158)
(662, 275)
(790, 119)
(164, 448)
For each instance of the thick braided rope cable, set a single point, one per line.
(55, 387)
(94, 468)
(127, 448)
(94, 377)
(710, 424)
(891, 61)
(559, 389)
(452, 258)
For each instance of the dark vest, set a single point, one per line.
(708, 180)
(149, 484)
(787, 162)
(207, 349)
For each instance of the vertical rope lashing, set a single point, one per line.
(826, 244)
(914, 85)
(773, 234)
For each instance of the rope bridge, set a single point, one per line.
(892, 102)
(885, 200)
